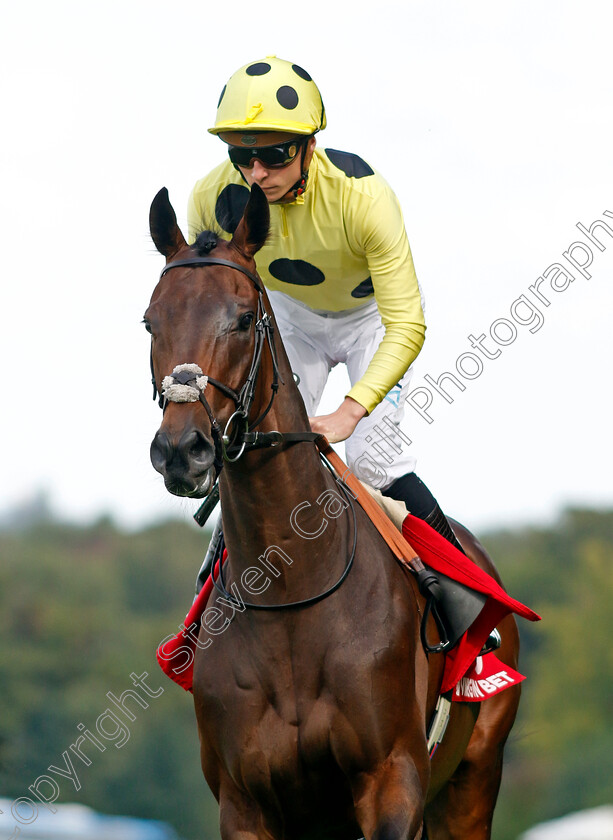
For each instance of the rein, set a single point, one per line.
(220, 585)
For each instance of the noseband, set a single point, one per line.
(238, 434)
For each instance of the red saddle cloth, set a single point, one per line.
(175, 653)
(436, 552)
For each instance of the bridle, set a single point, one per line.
(238, 435)
(230, 445)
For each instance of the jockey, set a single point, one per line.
(338, 270)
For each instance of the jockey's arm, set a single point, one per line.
(381, 236)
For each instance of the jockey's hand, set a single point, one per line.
(341, 423)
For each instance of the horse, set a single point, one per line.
(313, 698)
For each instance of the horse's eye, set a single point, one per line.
(246, 320)
(147, 325)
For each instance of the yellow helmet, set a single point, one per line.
(270, 95)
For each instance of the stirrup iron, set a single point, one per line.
(492, 643)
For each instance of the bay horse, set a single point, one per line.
(312, 714)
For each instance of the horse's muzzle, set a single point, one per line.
(187, 464)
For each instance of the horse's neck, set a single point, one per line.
(269, 497)
(261, 493)
(273, 505)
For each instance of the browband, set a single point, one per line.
(213, 261)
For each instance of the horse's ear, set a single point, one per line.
(253, 228)
(165, 231)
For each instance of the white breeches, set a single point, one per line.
(378, 451)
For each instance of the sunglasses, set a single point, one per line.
(273, 157)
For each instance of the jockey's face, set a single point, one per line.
(276, 181)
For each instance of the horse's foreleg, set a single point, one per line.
(389, 801)
(239, 816)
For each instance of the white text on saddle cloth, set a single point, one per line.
(487, 677)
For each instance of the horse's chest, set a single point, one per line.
(293, 757)
(269, 725)
(294, 708)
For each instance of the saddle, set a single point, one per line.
(412, 542)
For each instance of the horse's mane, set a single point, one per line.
(205, 242)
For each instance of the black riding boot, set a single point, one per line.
(460, 604)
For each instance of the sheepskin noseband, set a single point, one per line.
(185, 384)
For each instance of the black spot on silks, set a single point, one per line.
(298, 272)
(364, 289)
(230, 206)
(352, 165)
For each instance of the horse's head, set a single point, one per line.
(208, 322)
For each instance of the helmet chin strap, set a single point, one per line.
(301, 184)
(298, 189)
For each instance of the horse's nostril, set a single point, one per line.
(196, 447)
(161, 450)
(185, 462)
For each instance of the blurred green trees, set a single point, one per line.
(560, 754)
(84, 607)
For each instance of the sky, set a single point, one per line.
(493, 124)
